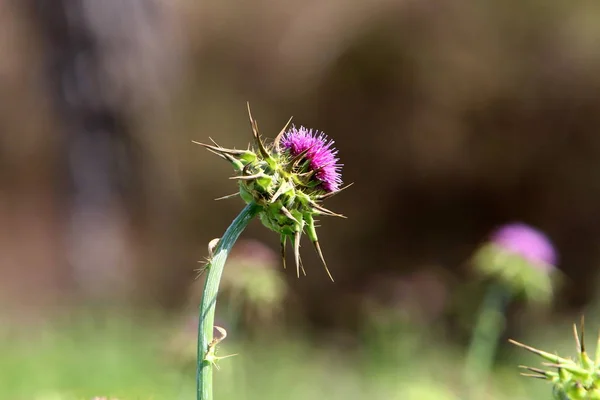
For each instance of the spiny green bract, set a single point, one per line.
(287, 182)
(573, 379)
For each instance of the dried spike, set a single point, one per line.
(296, 244)
(302, 268)
(215, 151)
(297, 158)
(283, 241)
(254, 124)
(325, 211)
(582, 338)
(533, 376)
(307, 175)
(248, 177)
(532, 369)
(288, 214)
(220, 149)
(311, 232)
(229, 196)
(245, 169)
(553, 365)
(277, 141)
(224, 154)
(320, 253)
(577, 340)
(548, 356)
(281, 190)
(251, 119)
(562, 364)
(232, 160)
(297, 252)
(331, 194)
(237, 165)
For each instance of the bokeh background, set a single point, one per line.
(451, 118)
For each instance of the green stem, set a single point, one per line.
(209, 298)
(486, 333)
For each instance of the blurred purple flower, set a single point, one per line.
(319, 152)
(529, 243)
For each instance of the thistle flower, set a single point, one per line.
(522, 258)
(288, 179)
(283, 183)
(573, 379)
(527, 242)
(320, 155)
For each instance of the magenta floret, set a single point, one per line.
(321, 154)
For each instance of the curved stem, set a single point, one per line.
(486, 333)
(209, 299)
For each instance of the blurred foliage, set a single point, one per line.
(118, 358)
(451, 118)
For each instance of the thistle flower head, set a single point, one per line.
(288, 178)
(529, 243)
(577, 379)
(320, 155)
(521, 257)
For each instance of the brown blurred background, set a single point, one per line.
(451, 117)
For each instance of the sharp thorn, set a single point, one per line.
(320, 253)
(283, 245)
(220, 154)
(296, 242)
(533, 376)
(220, 149)
(246, 177)
(213, 140)
(250, 114)
(325, 211)
(229, 196)
(331, 194)
(297, 158)
(254, 124)
(282, 189)
(208, 146)
(577, 340)
(552, 365)
(280, 135)
(532, 369)
(288, 214)
(582, 334)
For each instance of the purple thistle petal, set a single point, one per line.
(321, 154)
(526, 241)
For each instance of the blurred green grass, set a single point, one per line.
(127, 360)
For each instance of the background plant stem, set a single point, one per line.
(486, 333)
(209, 298)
